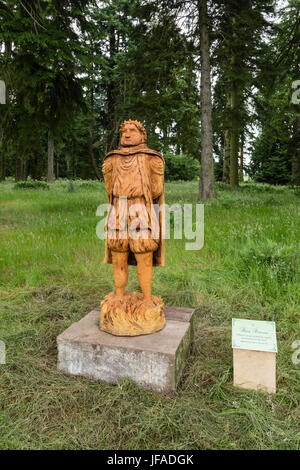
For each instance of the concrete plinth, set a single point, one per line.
(153, 361)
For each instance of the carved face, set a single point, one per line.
(131, 135)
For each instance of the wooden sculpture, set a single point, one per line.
(134, 181)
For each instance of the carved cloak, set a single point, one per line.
(143, 151)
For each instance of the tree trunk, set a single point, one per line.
(207, 181)
(68, 166)
(50, 174)
(2, 158)
(17, 169)
(241, 172)
(234, 129)
(56, 167)
(24, 170)
(296, 152)
(234, 154)
(226, 160)
(38, 166)
(7, 54)
(111, 95)
(91, 147)
(234, 139)
(20, 174)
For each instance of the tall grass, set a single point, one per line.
(52, 274)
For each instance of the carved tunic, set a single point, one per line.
(138, 176)
(121, 185)
(126, 181)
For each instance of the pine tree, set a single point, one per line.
(206, 185)
(276, 156)
(239, 27)
(43, 68)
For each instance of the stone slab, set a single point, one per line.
(254, 370)
(153, 361)
(179, 313)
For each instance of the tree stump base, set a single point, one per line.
(131, 315)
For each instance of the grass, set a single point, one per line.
(51, 274)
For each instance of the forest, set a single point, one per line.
(215, 83)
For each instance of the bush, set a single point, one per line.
(35, 185)
(181, 167)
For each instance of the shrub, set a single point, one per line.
(181, 167)
(35, 185)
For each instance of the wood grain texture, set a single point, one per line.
(131, 315)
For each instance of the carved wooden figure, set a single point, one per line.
(134, 181)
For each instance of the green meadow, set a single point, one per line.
(52, 274)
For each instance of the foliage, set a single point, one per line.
(88, 66)
(180, 167)
(276, 150)
(75, 69)
(41, 52)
